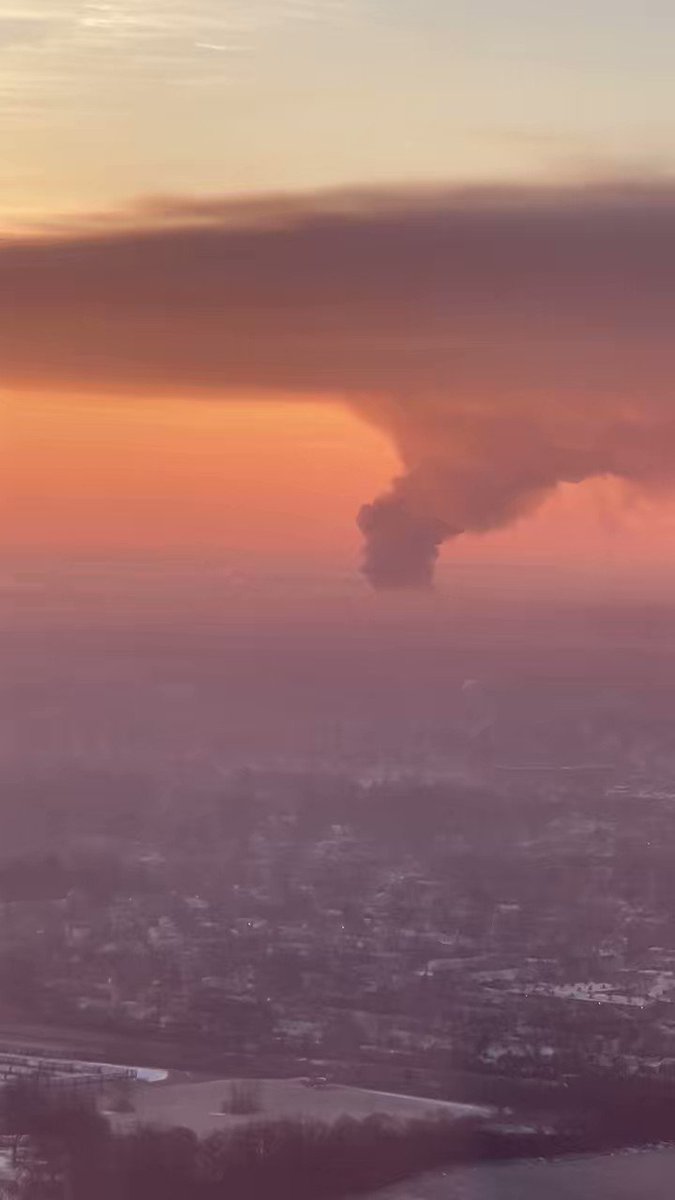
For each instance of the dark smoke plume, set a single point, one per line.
(401, 546)
(507, 340)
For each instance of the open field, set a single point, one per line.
(197, 1105)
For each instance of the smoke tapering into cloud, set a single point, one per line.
(507, 340)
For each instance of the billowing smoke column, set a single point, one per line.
(468, 473)
(401, 546)
(507, 341)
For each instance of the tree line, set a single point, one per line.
(65, 1150)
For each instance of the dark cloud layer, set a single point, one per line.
(507, 340)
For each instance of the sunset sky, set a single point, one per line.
(262, 257)
(104, 100)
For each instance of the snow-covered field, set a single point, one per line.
(197, 1105)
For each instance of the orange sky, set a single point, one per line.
(273, 478)
(265, 482)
